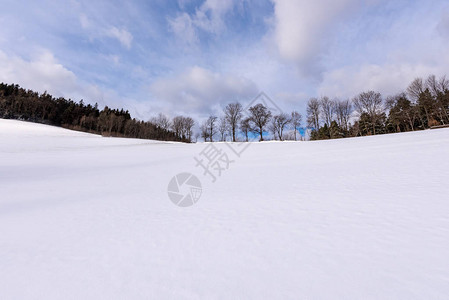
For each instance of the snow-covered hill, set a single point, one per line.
(87, 217)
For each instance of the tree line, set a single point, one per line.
(425, 104)
(21, 104)
(258, 120)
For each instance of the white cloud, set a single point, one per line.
(183, 28)
(209, 17)
(183, 3)
(301, 27)
(291, 101)
(346, 44)
(122, 35)
(115, 59)
(443, 25)
(199, 90)
(84, 21)
(408, 47)
(388, 78)
(43, 73)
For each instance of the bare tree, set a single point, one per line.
(162, 121)
(204, 131)
(343, 110)
(212, 127)
(188, 124)
(437, 89)
(182, 126)
(432, 85)
(370, 103)
(281, 121)
(328, 109)
(296, 119)
(259, 116)
(443, 84)
(245, 127)
(272, 127)
(313, 113)
(223, 128)
(177, 125)
(233, 114)
(415, 89)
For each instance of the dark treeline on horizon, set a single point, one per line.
(425, 104)
(27, 105)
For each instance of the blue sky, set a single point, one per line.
(192, 57)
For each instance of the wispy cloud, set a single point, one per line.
(122, 35)
(443, 25)
(182, 26)
(209, 17)
(193, 56)
(84, 21)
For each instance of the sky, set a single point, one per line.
(192, 57)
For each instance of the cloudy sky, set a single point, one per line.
(193, 56)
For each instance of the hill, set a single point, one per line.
(83, 216)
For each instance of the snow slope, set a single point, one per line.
(86, 217)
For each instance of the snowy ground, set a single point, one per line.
(86, 217)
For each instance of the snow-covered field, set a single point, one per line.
(87, 217)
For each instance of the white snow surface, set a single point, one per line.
(88, 217)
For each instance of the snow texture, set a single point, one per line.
(88, 217)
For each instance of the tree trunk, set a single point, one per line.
(427, 116)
